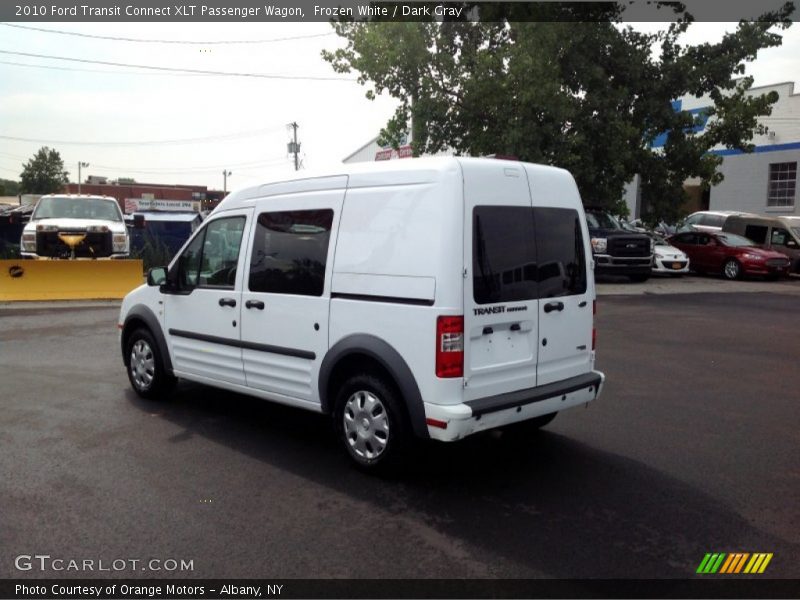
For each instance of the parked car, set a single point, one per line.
(781, 234)
(617, 250)
(707, 220)
(668, 259)
(432, 297)
(729, 254)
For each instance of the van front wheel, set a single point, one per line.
(370, 422)
(146, 372)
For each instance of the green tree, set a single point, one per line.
(44, 173)
(8, 187)
(588, 96)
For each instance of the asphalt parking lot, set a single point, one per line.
(693, 448)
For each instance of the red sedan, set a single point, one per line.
(730, 254)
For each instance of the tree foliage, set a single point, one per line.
(44, 173)
(587, 96)
(8, 187)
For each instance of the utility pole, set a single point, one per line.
(294, 147)
(225, 175)
(80, 164)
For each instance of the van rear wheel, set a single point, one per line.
(371, 423)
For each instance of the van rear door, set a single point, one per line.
(500, 305)
(565, 284)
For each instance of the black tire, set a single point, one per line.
(639, 278)
(145, 366)
(732, 269)
(371, 422)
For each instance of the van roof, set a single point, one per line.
(764, 218)
(387, 172)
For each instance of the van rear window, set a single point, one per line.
(503, 254)
(560, 251)
(520, 253)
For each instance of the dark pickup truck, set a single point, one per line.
(618, 251)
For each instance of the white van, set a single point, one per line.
(435, 297)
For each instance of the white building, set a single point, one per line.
(762, 182)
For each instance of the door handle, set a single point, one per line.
(227, 302)
(515, 327)
(551, 306)
(254, 304)
(488, 331)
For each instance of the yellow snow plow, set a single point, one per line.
(44, 279)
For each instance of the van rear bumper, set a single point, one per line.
(470, 417)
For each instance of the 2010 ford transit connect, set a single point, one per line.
(430, 297)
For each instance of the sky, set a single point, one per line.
(162, 127)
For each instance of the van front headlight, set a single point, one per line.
(599, 245)
(29, 242)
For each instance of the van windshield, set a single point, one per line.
(76, 208)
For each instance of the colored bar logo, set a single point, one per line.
(734, 563)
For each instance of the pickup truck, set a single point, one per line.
(75, 226)
(618, 251)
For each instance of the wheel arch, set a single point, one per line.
(142, 316)
(366, 352)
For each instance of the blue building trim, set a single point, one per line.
(757, 150)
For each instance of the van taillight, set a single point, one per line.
(594, 331)
(450, 346)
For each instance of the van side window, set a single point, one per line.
(560, 251)
(757, 233)
(780, 237)
(290, 252)
(503, 254)
(210, 259)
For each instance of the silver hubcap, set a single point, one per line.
(142, 367)
(731, 269)
(366, 425)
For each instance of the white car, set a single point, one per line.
(403, 298)
(75, 226)
(668, 259)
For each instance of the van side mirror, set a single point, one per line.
(157, 276)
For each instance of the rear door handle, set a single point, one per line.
(515, 327)
(227, 302)
(254, 304)
(551, 306)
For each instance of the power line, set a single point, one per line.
(216, 138)
(156, 41)
(180, 70)
(104, 72)
(169, 170)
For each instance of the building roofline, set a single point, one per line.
(352, 154)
